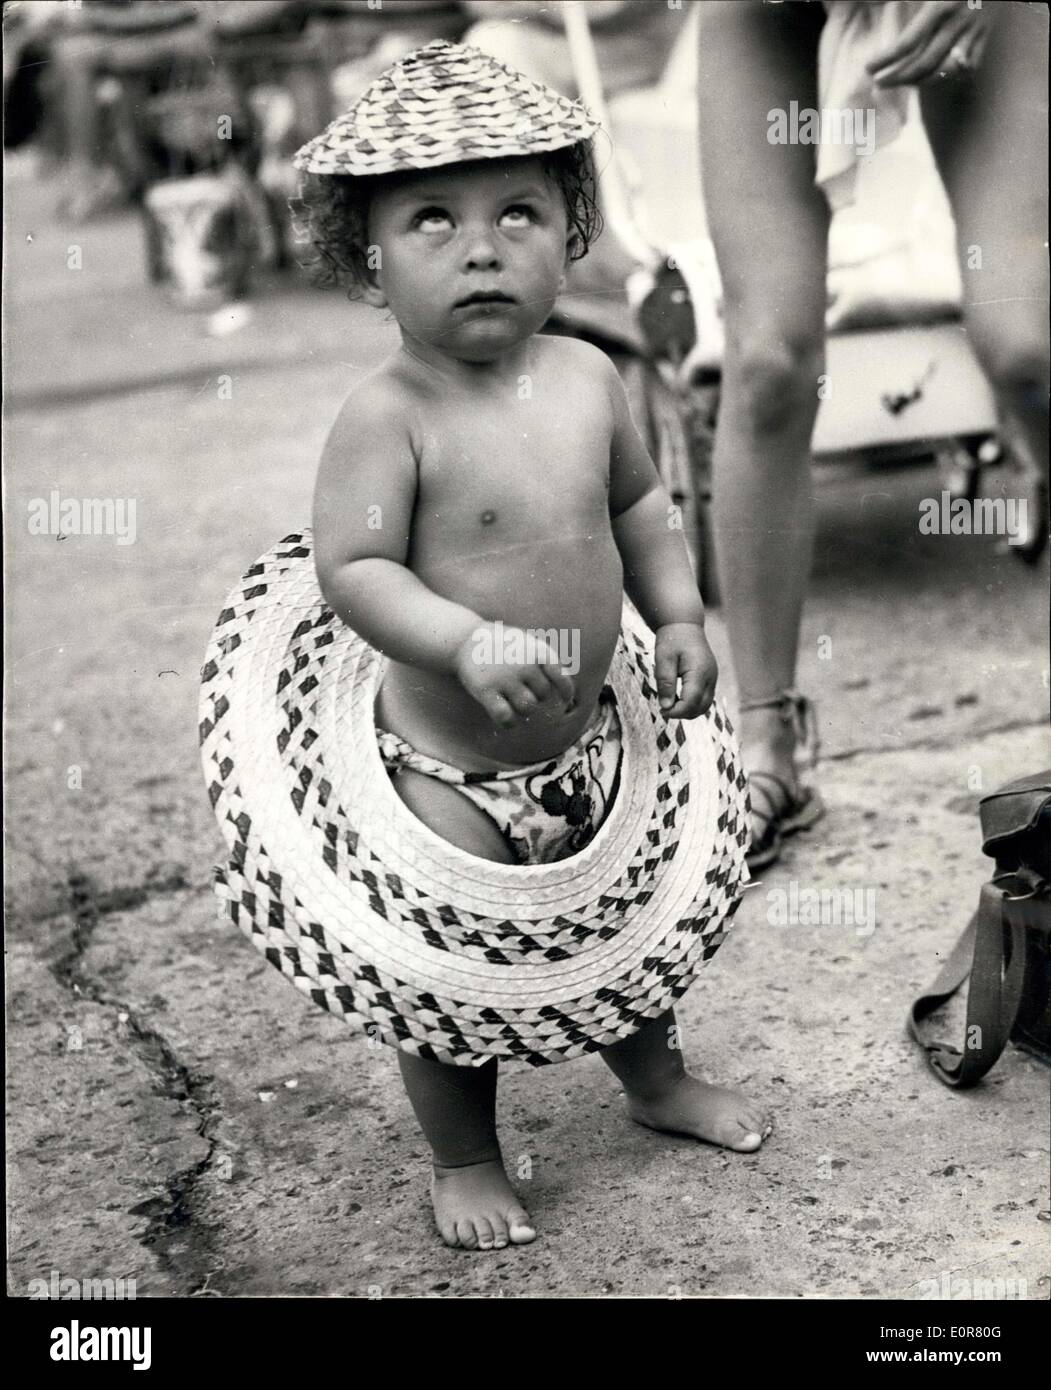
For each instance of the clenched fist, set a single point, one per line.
(686, 670)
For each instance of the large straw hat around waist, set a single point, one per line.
(379, 920)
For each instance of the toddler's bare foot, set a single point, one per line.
(716, 1114)
(476, 1208)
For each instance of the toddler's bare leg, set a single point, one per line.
(475, 1206)
(663, 1095)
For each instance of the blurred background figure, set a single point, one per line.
(83, 59)
(190, 110)
(80, 78)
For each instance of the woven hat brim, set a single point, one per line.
(379, 920)
(445, 104)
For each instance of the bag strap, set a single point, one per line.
(995, 989)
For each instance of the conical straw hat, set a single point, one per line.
(381, 921)
(445, 104)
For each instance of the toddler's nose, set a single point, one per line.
(481, 253)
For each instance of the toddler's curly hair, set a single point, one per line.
(331, 215)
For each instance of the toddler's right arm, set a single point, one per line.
(363, 507)
(363, 504)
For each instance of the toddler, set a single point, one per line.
(482, 504)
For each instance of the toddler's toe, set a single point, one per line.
(484, 1232)
(747, 1142)
(519, 1227)
(500, 1236)
(753, 1122)
(465, 1235)
(447, 1231)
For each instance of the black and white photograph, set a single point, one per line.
(527, 745)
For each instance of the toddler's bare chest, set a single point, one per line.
(514, 476)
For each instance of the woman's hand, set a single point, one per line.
(682, 652)
(943, 37)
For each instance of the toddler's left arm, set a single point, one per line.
(658, 577)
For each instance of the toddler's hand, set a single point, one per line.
(682, 652)
(510, 690)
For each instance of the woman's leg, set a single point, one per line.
(988, 131)
(475, 1205)
(769, 225)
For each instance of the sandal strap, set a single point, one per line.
(798, 711)
(775, 812)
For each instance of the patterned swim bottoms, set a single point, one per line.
(548, 810)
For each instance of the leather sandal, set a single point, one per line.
(787, 808)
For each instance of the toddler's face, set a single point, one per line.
(472, 256)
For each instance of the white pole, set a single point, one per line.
(616, 201)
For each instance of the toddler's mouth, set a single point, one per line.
(484, 297)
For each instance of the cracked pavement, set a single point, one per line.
(179, 1115)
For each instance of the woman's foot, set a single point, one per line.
(476, 1208)
(779, 736)
(716, 1114)
(779, 808)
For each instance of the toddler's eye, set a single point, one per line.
(431, 219)
(519, 215)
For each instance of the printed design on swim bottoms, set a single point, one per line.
(579, 796)
(544, 811)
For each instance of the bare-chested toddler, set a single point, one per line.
(483, 502)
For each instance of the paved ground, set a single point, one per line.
(181, 1116)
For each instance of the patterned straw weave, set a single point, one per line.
(416, 942)
(445, 104)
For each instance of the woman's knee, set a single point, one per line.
(777, 378)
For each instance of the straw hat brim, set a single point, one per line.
(421, 945)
